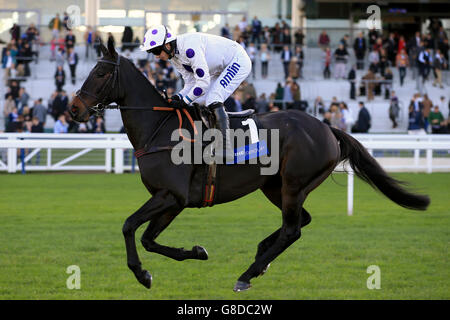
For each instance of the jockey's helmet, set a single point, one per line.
(155, 39)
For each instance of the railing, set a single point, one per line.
(429, 143)
(62, 149)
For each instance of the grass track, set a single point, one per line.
(51, 221)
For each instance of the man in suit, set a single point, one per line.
(363, 123)
(360, 50)
(286, 56)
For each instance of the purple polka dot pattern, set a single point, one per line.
(188, 68)
(169, 35)
(197, 91)
(154, 31)
(190, 53)
(144, 39)
(152, 43)
(200, 72)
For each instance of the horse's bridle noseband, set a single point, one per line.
(100, 106)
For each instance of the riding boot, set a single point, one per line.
(223, 125)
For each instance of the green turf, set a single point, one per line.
(51, 221)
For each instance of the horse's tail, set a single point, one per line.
(368, 169)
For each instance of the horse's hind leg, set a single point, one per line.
(155, 227)
(292, 201)
(159, 203)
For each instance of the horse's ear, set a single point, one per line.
(103, 49)
(111, 49)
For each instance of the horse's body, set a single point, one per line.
(308, 153)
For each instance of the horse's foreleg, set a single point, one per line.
(159, 203)
(155, 227)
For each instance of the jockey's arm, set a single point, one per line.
(200, 75)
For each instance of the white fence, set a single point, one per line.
(19, 149)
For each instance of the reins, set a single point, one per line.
(99, 108)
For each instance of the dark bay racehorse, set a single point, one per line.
(308, 153)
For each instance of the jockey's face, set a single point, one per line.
(163, 55)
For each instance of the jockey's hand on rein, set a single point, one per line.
(177, 104)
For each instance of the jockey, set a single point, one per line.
(212, 68)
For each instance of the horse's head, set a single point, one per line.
(100, 88)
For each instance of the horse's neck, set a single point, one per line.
(139, 124)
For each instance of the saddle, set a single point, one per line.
(208, 117)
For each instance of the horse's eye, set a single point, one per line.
(101, 75)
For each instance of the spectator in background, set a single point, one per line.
(439, 64)
(70, 40)
(60, 57)
(39, 111)
(8, 107)
(360, 50)
(415, 119)
(58, 104)
(391, 48)
(262, 105)
(324, 40)
(299, 36)
(294, 71)
(288, 98)
(61, 125)
(252, 52)
(73, 61)
(327, 118)
(336, 117)
(264, 56)
(15, 32)
(236, 33)
(225, 31)
(437, 121)
(394, 109)
(363, 124)
(66, 21)
(300, 58)
(60, 78)
(368, 82)
(340, 56)
(22, 99)
(352, 79)
(388, 80)
(402, 62)
(373, 36)
(55, 25)
(243, 24)
(89, 39)
(327, 63)
(279, 94)
(286, 37)
(97, 43)
(286, 56)
(256, 31)
(424, 63)
(427, 106)
(319, 106)
(99, 126)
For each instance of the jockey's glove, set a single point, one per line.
(175, 97)
(178, 104)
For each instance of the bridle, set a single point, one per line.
(100, 107)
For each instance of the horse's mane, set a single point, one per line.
(144, 79)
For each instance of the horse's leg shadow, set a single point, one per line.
(156, 226)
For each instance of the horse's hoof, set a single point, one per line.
(241, 286)
(201, 252)
(264, 270)
(146, 279)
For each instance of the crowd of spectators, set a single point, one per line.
(424, 55)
